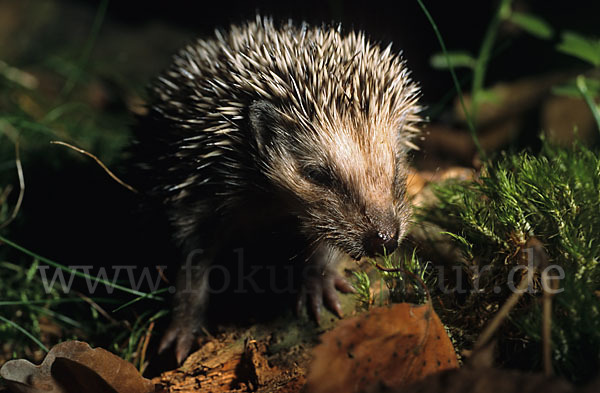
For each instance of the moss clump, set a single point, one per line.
(552, 198)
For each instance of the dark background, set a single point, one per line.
(166, 25)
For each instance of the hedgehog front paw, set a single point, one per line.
(182, 334)
(320, 287)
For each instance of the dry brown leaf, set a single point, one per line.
(510, 99)
(393, 345)
(561, 116)
(421, 195)
(73, 366)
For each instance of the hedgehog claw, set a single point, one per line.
(182, 337)
(167, 339)
(322, 289)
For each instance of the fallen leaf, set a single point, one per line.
(509, 99)
(73, 366)
(562, 115)
(421, 195)
(393, 345)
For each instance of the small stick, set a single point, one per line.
(97, 307)
(501, 315)
(108, 171)
(539, 259)
(145, 347)
(547, 323)
(5, 193)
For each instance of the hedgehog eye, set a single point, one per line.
(318, 175)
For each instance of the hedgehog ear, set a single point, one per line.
(264, 121)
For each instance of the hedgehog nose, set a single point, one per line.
(382, 243)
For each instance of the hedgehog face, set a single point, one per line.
(347, 182)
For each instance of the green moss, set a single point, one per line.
(553, 197)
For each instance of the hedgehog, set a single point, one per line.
(262, 122)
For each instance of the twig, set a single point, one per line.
(5, 193)
(502, 314)
(21, 187)
(547, 323)
(145, 347)
(108, 171)
(538, 258)
(162, 276)
(97, 307)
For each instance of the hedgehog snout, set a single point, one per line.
(382, 238)
(381, 242)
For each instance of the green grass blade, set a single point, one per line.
(583, 89)
(75, 272)
(25, 332)
(456, 59)
(468, 115)
(532, 24)
(137, 299)
(584, 48)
